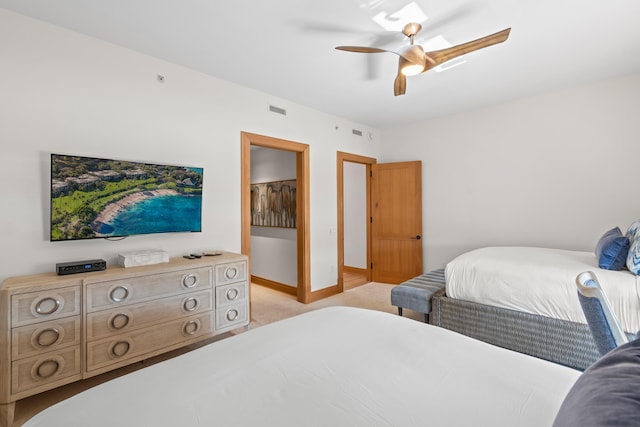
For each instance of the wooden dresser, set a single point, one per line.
(55, 330)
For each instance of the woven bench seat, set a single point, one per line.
(415, 294)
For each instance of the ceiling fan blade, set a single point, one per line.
(439, 20)
(372, 60)
(377, 37)
(444, 55)
(361, 49)
(400, 83)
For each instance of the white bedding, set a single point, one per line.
(540, 281)
(336, 366)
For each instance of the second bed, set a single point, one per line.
(524, 299)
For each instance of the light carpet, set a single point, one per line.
(268, 305)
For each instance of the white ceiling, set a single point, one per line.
(286, 47)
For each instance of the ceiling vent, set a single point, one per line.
(356, 132)
(277, 110)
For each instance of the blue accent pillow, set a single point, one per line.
(607, 393)
(612, 250)
(633, 229)
(633, 257)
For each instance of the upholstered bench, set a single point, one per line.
(415, 294)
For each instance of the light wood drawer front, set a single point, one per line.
(232, 316)
(231, 294)
(44, 306)
(119, 349)
(116, 321)
(138, 289)
(231, 272)
(45, 369)
(33, 339)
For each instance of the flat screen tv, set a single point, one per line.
(103, 198)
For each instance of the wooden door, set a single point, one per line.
(396, 221)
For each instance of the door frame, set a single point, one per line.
(303, 291)
(341, 158)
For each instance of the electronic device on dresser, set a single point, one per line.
(73, 267)
(58, 329)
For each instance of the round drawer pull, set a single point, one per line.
(191, 327)
(231, 294)
(120, 348)
(119, 293)
(48, 305)
(46, 369)
(190, 280)
(190, 304)
(232, 314)
(231, 272)
(119, 321)
(48, 337)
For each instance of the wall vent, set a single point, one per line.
(277, 110)
(356, 132)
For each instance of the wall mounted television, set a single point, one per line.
(104, 198)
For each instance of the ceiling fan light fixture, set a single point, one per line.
(412, 69)
(409, 68)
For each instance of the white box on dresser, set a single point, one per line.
(138, 258)
(55, 330)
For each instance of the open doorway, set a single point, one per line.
(303, 290)
(351, 242)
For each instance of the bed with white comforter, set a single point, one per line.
(337, 366)
(540, 281)
(525, 299)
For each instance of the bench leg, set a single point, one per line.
(426, 318)
(400, 311)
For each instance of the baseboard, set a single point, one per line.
(290, 290)
(323, 293)
(354, 270)
(277, 286)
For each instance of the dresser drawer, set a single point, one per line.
(33, 339)
(123, 319)
(126, 346)
(46, 369)
(231, 294)
(231, 272)
(45, 305)
(138, 289)
(232, 316)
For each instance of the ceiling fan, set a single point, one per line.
(414, 60)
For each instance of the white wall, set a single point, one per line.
(274, 250)
(67, 93)
(554, 170)
(355, 215)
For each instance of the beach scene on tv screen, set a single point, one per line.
(97, 198)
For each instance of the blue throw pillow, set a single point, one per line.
(633, 257)
(607, 393)
(612, 250)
